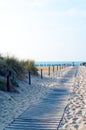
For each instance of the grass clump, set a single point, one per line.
(3, 84)
(18, 69)
(29, 65)
(15, 66)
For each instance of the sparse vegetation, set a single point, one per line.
(29, 65)
(2, 84)
(17, 68)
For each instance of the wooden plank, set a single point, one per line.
(43, 116)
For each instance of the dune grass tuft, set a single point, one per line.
(18, 69)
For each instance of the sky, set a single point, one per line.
(43, 30)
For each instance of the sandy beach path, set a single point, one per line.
(75, 113)
(48, 112)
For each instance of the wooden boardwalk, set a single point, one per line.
(45, 115)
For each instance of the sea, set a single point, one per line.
(51, 63)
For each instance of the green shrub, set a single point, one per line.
(14, 83)
(3, 68)
(17, 67)
(29, 65)
(3, 84)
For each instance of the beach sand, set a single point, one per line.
(75, 113)
(13, 104)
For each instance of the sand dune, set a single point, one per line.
(13, 104)
(75, 114)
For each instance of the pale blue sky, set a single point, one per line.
(43, 30)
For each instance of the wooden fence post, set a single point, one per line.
(8, 81)
(49, 70)
(53, 68)
(57, 67)
(60, 66)
(29, 78)
(41, 74)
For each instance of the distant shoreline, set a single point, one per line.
(50, 63)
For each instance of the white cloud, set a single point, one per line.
(65, 0)
(71, 12)
(41, 2)
(83, 13)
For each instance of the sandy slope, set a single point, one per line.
(75, 114)
(13, 104)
